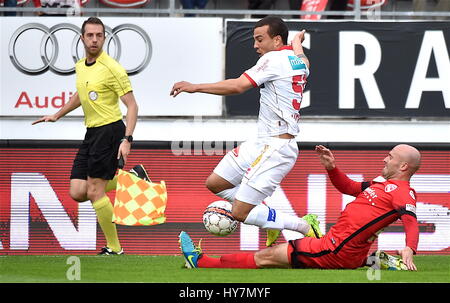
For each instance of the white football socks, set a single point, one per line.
(266, 217)
(269, 218)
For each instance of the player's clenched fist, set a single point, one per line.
(299, 37)
(182, 86)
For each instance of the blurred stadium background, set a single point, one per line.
(379, 77)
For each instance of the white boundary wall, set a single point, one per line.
(178, 49)
(181, 49)
(208, 129)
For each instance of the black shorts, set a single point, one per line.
(97, 156)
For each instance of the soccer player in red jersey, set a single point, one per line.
(378, 203)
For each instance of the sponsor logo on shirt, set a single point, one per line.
(263, 66)
(410, 207)
(272, 215)
(390, 187)
(369, 194)
(296, 63)
(411, 193)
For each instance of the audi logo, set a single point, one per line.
(49, 39)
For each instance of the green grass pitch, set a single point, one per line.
(168, 269)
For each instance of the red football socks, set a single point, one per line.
(239, 260)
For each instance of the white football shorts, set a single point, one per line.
(259, 165)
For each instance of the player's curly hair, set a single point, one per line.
(276, 27)
(92, 20)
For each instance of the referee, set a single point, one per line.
(100, 82)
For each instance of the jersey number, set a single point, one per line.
(298, 85)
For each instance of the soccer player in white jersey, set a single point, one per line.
(251, 172)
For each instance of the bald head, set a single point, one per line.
(401, 163)
(410, 155)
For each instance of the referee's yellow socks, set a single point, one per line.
(111, 185)
(104, 210)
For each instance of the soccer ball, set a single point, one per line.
(218, 220)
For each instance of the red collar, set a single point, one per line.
(288, 47)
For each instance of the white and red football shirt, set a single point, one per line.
(281, 76)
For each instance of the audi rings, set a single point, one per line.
(49, 39)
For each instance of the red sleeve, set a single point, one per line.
(404, 201)
(344, 184)
(251, 80)
(37, 3)
(411, 231)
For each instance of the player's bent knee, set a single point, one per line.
(78, 196)
(78, 190)
(94, 194)
(272, 257)
(216, 184)
(211, 185)
(264, 259)
(96, 188)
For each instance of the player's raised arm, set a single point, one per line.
(298, 48)
(223, 88)
(73, 103)
(326, 157)
(340, 180)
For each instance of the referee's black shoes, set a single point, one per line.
(140, 171)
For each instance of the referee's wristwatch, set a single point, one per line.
(128, 138)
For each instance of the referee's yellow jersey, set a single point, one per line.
(99, 86)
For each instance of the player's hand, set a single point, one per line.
(51, 118)
(299, 38)
(182, 86)
(326, 157)
(124, 150)
(407, 257)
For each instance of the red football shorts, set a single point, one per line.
(320, 253)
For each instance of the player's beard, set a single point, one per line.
(93, 53)
(387, 172)
(384, 172)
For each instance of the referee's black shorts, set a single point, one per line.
(97, 156)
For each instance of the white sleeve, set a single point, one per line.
(264, 70)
